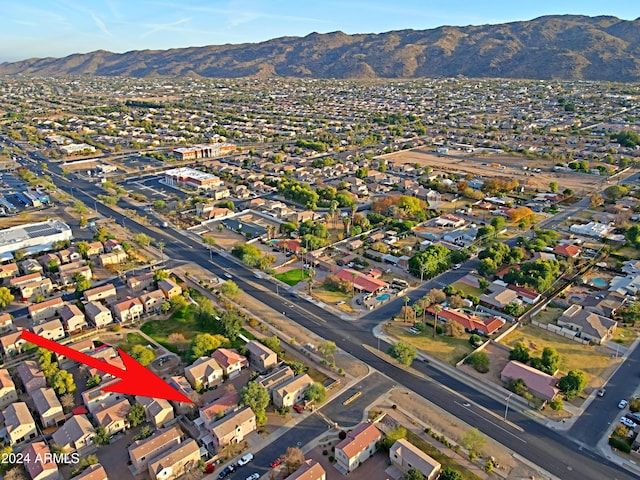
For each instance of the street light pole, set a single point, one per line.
(506, 408)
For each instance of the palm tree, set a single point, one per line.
(423, 268)
(354, 275)
(406, 303)
(425, 303)
(346, 221)
(354, 209)
(437, 309)
(160, 246)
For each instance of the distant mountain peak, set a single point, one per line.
(571, 47)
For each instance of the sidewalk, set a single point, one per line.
(501, 394)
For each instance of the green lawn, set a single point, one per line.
(467, 289)
(292, 277)
(133, 339)
(573, 355)
(446, 349)
(625, 336)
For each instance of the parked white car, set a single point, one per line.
(623, 403)
(245, 459)
(627, 422)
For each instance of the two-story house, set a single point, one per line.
(19, 424)
(174, 463)
(140, 283)
(405, 456)
(97, 398)
(48, 407)
(6, 322)
(233, 428)
(113, 417)
(39, 462)
(158, 411)
(205, 372)
(72, 318)
(169, 288)
(51, 330)
(230, 361)
(8, 392)
(309, 470)
(128, 310)
(212, 412)
(152, 301)
(39, 288)
(141, 452)
(103, 292)
(12, 343)
(93, 472)
(99, 315)
(359, 445)
(31, 376)
(291, 391)
(75, 434)
(41, 311)
(261, 357)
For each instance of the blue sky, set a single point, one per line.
(41, 28)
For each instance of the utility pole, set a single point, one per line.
(506, 408)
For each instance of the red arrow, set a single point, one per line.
(134, 378)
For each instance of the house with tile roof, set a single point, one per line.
(309, 470)
(24, 279)
(9, 270)
(498, 296)
(38, 462)
(360, 281)
(567, 250)
(96, 398)
(538, 383)
(19, 424)
(587, 324)
(261, 357)
(103, 292)
(67, 275)
(93, 472)
(6, 322)
(113, 417)
(181, 384)
(359, 445)
(152, 301)
(51, 330)
(205, 372)
(128, 310)
(39, 288)
(73, 318)
(31, 376)
(48, 407)
(12, 343)
(8, 392)
(41, 311)
(230, 361)
(75, 434)
(484, 325)
(99, 315)
(405, 456)
(142, 452)
(233, 428)
(292, 391)
(158, 411)
(175, 462)
(140, 283)
(211, 413)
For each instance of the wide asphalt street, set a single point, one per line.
(556, 453)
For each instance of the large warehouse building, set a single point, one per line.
(33, 237)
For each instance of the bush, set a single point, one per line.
(479, 361)
(331, 459)
(620, 444)
(634, 404)
(556, 404)
(325, 453)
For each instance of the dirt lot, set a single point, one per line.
(461, 162)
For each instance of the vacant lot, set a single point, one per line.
(458, 161)
(595, 361)
(446, 349)
(331, 297)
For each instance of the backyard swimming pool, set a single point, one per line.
(383, 297)
(599, 282)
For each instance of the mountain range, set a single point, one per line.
(566, 47)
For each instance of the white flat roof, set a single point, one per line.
(186, 172)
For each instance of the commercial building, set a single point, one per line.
(208, 150)
(33, 237)
(192, 178)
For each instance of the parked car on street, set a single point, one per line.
(622, 404)
(253, 476)
(245, 459)
(629, 423)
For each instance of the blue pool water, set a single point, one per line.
(383, 297)
(598, 282)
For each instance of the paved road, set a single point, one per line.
(556, 453)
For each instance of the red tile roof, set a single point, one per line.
(358, 439)
(567, 250)
(470, 322)
(360, 281)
